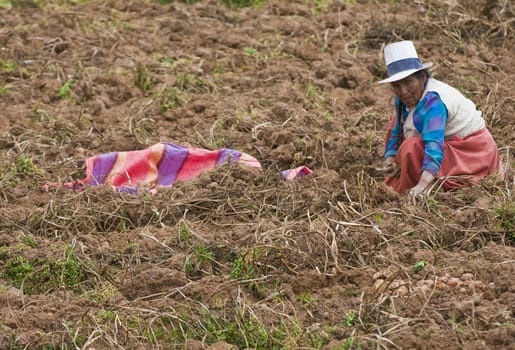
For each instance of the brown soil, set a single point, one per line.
(238, 258)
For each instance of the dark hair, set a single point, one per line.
(419, 74)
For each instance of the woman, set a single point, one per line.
(436, 131)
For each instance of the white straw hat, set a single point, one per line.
(401, 60)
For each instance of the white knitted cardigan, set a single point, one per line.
(463, 118)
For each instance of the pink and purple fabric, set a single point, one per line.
(160, 165)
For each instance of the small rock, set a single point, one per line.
(420, 283)
(467, 277)
(378, 283)
(423, 289)
(464, 305)
(401, 291)
(477, 285)
(395, 284)
(453, 281)
(379, 275)
(429, 283)
(470, 50)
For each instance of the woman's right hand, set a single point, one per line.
(390, 167)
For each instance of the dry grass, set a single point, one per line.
(239, 256)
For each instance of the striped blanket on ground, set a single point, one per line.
(160, 166)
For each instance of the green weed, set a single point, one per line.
(350, 319)
(322, 5)
(154, 334)
(191, 82)
(424, 333)
(327, 115)
(249, 267)
(5, 89)
(100, 294)
(258, 56)
(13, 342)
(189, 2)
(31, 242)
(70, 270)
(245, 332)
(250, 51)
(124, 223)
(306, 299)
(107, 315)
(25, 166)
(432, 204)
(4, 252)
(350, 343)
(167, 62)
(204, 254)
(171, 98)
(8, 66)
(79, 1)
(250, 264)
(65, 91)
(11, 175)
(419, 265)
(243, 3)
(17, 269)
(377, 218)
(314, 95)
(8, 179)
(262, 57)
(454, 324)
(506, 218)
(221, 66)
(202, 260)
(41, 276)
(5, 4)
(77, 340)
(42, 115)
(241, 270)
(142, 80)
(184, 234)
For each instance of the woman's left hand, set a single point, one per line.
(418, 192)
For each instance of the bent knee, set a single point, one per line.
(412, 144)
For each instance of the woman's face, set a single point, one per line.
(409, 90)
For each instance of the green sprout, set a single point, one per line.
(243, 3)
(350, 319)
(306, 299)
(5, 89)
(419, 265)
(250, 51)
(65, 91)
(142, 81)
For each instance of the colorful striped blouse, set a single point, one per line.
(429, 118)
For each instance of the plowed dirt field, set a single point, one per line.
(238, 258)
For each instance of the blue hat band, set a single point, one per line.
(403, 65)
